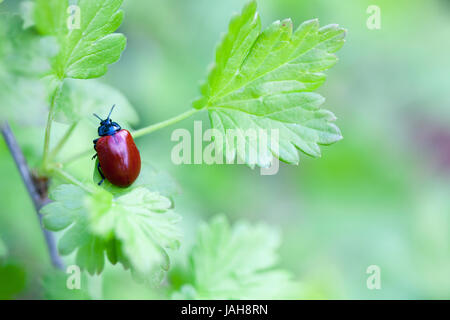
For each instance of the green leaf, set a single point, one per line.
(264, 80)
(79, 98)
(23, 60)
(21, 51)
(135, 228)
(50, 17)
(150, 178)
(234, 263)
(143, 224)
(85, 52)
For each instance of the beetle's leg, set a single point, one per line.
(101, 174)
(95, 148)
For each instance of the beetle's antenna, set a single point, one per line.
(110, 112)
(97, 117)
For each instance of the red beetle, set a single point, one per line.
(119, 160)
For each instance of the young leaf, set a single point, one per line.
(134, 228)
(85, 52)
(234, 263)
(264, 80)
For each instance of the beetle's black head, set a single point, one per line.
(107, 127)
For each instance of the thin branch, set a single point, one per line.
(68, 178)
(163, 124)
(48, 127)
(78, 156)
(63, 140)
(37, 199)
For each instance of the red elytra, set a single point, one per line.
(118, 156)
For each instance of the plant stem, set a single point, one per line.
(69, 178)
(79, 155)
(139, 133)
(163, 124)
(48, 127)
(63, 141)
(38, 199)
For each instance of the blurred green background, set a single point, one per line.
(381, 196)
